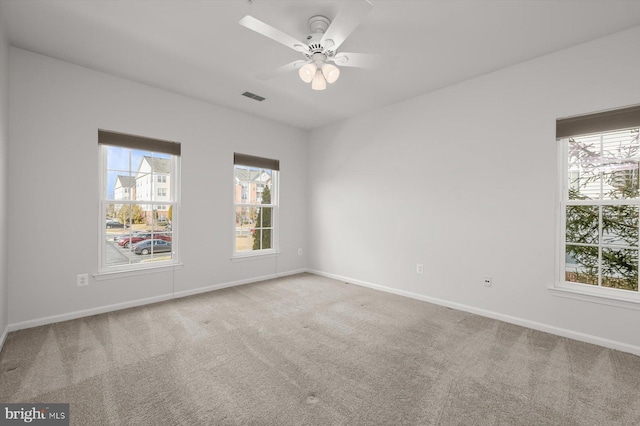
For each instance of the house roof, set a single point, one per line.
(158, 165)
(125, 181)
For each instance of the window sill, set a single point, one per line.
(101, 276)
(601, 298)
(254, 256)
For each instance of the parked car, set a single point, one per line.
(163, 236)
(136, 238)
(133, 239)
(116, 224)
(149, 246)
(119, 237)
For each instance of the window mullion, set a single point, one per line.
(600, 246)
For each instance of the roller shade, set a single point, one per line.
(598, 122)
(252, 161)
(124, 140)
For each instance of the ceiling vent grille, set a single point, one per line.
(253, 96)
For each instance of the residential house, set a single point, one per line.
(124, 189)
(153, 183)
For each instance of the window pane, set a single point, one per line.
(265, 217)
(620, 157)
(132, 225)
(132, 214)
(583, 166)
(244, 227)
(581, 264)
(119, 159)
(620, 268)
(161, 217)
(620, 225)
(151, 250)
(584, 184)
(261, 239)
(252, 185)
(582, 224)
(604, 166)
(620, 181)
(121, 185)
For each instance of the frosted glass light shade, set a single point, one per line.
(307, 72)
(330, 72)
(318, 82)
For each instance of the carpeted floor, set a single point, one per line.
(306, 350)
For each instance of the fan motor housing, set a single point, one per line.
(318, 24)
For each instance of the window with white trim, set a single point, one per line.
(255, 205)
(132, 219)
(600, 203)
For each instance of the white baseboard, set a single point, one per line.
(563, 332)
(88, 312)
(140, 302)
(199, 290)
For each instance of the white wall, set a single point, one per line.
(56, 110)
(4, 137)
(463, 180)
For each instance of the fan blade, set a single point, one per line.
(273, 33)
(282, 70)
(359, 60)
(344, 23)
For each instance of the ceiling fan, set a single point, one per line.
(320, 51)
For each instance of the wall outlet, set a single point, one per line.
(487, 281)
(419, 268)
(299, 252)
(82, 280)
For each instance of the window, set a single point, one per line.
(255, 205)
(162, 179)
(135, 161)
(600, 203)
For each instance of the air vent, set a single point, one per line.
(253, 96)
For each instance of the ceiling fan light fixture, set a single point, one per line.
(318, 82)
(307, 72)
(330, 72)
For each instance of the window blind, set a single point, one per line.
(617, 119)
(253, 161)
(124, 140)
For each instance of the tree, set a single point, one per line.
(111, 210)
(133, 214)
(262, 237)
(170, 213)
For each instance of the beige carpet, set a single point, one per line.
(306, 350)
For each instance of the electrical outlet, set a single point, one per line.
(82, 280)
(487, 281)
(419, 268)
(299, 252)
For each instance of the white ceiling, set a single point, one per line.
(197, 48)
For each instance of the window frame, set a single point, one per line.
(594, 293)
(104, 270)
(274, 205)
